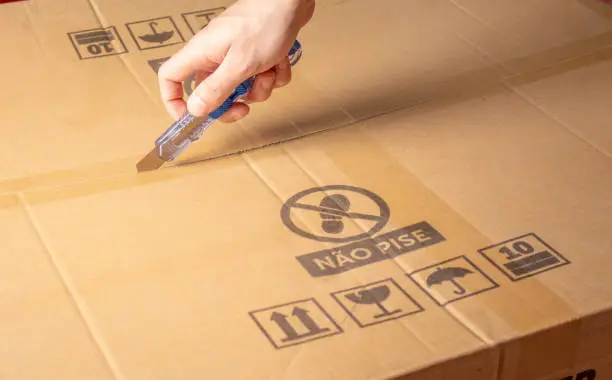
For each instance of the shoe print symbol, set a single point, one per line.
(334, 208)
(450, 274)
(155, 36)
(373, 296)
(342, 213)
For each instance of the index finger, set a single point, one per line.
(187, 61)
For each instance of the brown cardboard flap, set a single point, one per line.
(113, 100)
(430, 198)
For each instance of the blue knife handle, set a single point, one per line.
(189, 129)
(243, 89)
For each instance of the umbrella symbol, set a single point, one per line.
(156, 36)
(451, 275)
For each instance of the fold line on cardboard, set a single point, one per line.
(252, 166)
(550, 115)
(472, 15)
(346, 318)
(459, 317)
(101, 22)
(26, 6)
(261, 178)
(402, 266)
(461, 95)
(78, 304)
(395, 260)
(21, 184)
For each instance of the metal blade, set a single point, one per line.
(150, 162)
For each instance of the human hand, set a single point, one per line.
(252, 37)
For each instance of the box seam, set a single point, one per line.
(396, 260)
(95, 336)
(100, 18)
(567, 127)
(398, 322)
(470, 93)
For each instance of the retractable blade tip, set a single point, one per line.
(150, 162)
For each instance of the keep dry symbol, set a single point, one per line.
(450, 274)
(155, 36)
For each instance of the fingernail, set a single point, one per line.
(196, 106)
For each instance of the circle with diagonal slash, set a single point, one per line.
(295, 202)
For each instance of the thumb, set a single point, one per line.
(219, 85)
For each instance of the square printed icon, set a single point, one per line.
(155, 33)
(97, 43)
(377, 302)
(523, 257)
(452, 280)
(199, 20)
(295, 323)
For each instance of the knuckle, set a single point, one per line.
(209, 91)
(246, 69)
(210, 96)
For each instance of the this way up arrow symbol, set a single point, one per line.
(307, 321)
(289, 330)
(282, 322)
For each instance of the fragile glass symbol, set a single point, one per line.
(334, 206)
(373, 296)
(442, 275)
(156, 37)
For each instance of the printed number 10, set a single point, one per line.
(518, 248)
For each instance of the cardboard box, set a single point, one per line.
(431, 198)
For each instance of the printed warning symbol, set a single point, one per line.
(336, 213)
(523, 257)
(452, 280)
(157, 63)
(188, 84)
(97, 43)
(155, 33)
(377, 302)
(295, 323)
(199, 20)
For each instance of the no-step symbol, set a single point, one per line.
(337, 213)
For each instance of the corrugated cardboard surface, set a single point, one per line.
(468, 136)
